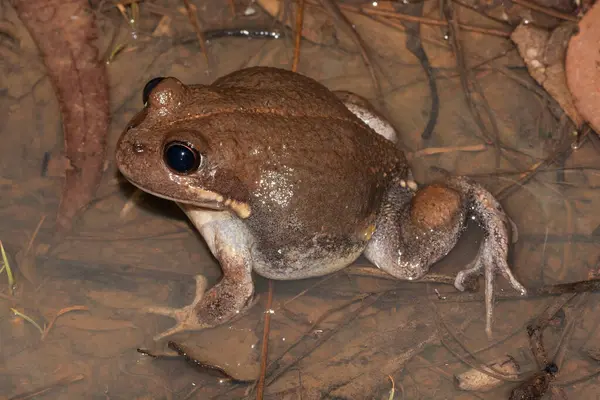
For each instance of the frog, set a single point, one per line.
(289, 180)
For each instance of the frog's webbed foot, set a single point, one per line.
(214, 307)
(186, 317)
(493, 252)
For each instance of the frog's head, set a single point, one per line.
(166, 149)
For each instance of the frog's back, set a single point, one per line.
(280, 91)
(316, 174)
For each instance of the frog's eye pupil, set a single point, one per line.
(149, 86)
(182, 158)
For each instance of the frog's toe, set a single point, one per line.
(467, 278)
(503, 268)
(492, 267)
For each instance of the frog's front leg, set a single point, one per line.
(227, 239)
(416, 229)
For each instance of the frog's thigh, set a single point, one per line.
(414, 232)
(361, 107)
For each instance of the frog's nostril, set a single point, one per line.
(138, 147)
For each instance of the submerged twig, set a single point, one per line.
(232, 7)
(414, 44)
(561, 349)
(545, 10)
(592, 285)
(28, 319)
(46, 388)
(260, 387)
(58, 314)
(535, 330)
(422, 20)
(538, 385)
(334, 11)
(470, 84)
(6, 267)
(480, 12)
(298, 34)
(193, 17)
(450, 149)
(393, 389)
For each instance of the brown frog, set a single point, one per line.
(290, 180)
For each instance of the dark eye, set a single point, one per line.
(182, 158)
(149, 86)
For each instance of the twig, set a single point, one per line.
(538, 385)
(298, 35)
(44, 389)
(303, 292)
(35, 233)
(545, 10)
(483, 14)
(28, 319)
(535, 330)
(334, 11)
(193, 16)
(6, 266)
(561, 349)
(393, 389)
(58, 314)
(592, 285)
(260, 388)
(442, 150)
(470, 83)
(422, 20)
(414, 44)
(371, 272)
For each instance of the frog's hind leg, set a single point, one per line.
(229, 242)
(416, 229)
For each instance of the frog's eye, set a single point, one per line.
(149, 86)
(182, 158)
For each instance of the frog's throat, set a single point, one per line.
(207, 199)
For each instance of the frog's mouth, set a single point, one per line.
(206, 199)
